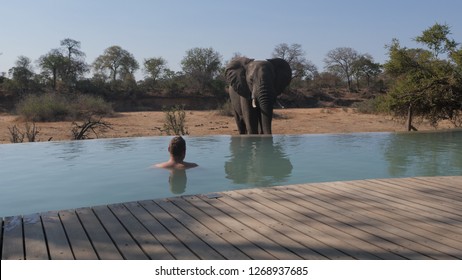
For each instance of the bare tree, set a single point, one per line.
(81, 131)
(340, 61)
(302, 68)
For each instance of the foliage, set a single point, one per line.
(119, 63)
(425, 86)
(175, 120)
(155, 68)
(202, 65)
(22, 76)
(65, 65)
(56, 107)
(436, 39)
(371, 106)
(364, 67)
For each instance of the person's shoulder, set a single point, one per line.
(162, 165)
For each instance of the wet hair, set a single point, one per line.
(177, 147)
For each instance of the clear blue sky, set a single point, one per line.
(168, 28)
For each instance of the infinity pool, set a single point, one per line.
(37, 177)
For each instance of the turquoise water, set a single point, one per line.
(37, 177)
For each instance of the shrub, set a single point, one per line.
(47, 107)
(372, 106)
(57, 107)
(175, 119)
(88, 105)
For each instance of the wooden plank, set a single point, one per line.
(58, 245)
(143, 237)
(122, 239)
(404, 228)
(175, 247)
(194, 243)
(329, 215)
(356, 242)
(103, 244)
(281, 244)
(428, 194)
(13, 242)
(385, 197)
(232, 234)
(425, 203)
(213, 240)
(429, 221)
(78, 239)
(340, 234)
(448, 187)
(34, 238)
(414, 240)
(315, 198)
(312, 246)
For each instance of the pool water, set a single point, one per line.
(37, 177)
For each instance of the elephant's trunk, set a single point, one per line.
(265, 102)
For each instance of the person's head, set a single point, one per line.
(177, 148)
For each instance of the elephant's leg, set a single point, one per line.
(237, 111)
(250, 116)
(240, 123)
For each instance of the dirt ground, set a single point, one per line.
(200, 123)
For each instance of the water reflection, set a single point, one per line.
(428, 154)
(68, 150)
(257, 161)
(177, 181)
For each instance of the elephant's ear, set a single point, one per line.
(283, 74)
(235, 73)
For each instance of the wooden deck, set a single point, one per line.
(411, 218)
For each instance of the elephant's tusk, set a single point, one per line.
(254, 104)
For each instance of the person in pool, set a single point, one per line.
(177, 150)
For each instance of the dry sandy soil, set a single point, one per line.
(199, 123)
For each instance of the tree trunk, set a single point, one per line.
(409, 125)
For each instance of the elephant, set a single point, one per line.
(253, 88)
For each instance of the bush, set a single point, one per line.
(175, 119)
(57, 107)
(375, 105)
(47, 107)
(88, 105)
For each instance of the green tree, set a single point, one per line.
(202, 65)
(116, 64)
(155, 69)
(425, 86)
(436, 39)
(22, 75)
(53, 65)
(365, 68)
